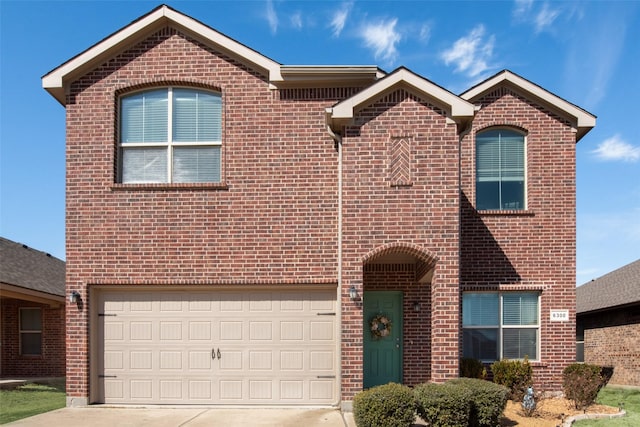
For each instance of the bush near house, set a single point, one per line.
(581, 383)
(389, 405)
(472, 368)
(516, 375)
(488, 401)
(443, 405)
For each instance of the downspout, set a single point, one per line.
(337, 138)
(462, 133)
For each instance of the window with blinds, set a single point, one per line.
(171, 135)
(500, 170)
(500, 325)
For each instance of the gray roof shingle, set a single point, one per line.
(28, 268)
(619, 287)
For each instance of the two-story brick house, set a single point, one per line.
(246, 232)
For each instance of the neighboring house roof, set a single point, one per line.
(617, 288)
(581, 119)
(30, 274)
(457, 109)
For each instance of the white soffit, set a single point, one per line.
(583, 120)
(54, 81)
(458, 108)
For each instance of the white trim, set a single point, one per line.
(582, 119)
(457, 108)
(55, 80)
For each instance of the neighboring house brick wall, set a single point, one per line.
(532, 249)
(52, 361)
(616, 346)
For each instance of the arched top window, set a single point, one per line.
(500, 170)
(170, 135)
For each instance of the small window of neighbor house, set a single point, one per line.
(30, 331)
(170, 135)
(500, 170)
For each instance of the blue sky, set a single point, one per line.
(585, 52)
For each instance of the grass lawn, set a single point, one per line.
(614, 396)
(31, 399)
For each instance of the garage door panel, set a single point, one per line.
(218, 347)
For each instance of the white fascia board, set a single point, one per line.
(54, 81)
(457, 106)
(583, 118)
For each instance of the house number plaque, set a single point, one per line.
(559, 315)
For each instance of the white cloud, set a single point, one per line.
(615, 148)
(382, 37)
(272, 17)
(471, 54)
(296, 20)
(340, 18)
(540, 17)
(425, 33)
(545, 17)
(522, 8)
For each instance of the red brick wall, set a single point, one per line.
(273, 221)
(423, 212)
(616, 346)
(51, 363)
(274, 218)
(532, 249)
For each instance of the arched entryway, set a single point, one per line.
(397, 314)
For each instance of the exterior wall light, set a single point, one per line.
(416, 306)
(74, 297)
(353, 293)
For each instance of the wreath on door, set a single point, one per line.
(380, 326)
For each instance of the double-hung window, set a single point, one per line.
(500, 170)
(500, 325)
(171, 135)
(30, 331)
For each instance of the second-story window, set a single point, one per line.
(171, 135)
(500, 170)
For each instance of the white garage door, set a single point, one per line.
(217, 347)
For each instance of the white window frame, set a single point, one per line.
(525, 164)
(22, 331)
(169, 144)
(501, 327)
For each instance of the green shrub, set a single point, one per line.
(581, 383)
(488, 401)
(389, 405)
(472, 368)
(516, 375)
(443, 405)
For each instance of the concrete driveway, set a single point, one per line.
(103, 416)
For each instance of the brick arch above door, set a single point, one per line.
(426, 260)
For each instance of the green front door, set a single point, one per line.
(382, 331)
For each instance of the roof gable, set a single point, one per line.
(458, 110)
(582, 120)
(54, 81)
